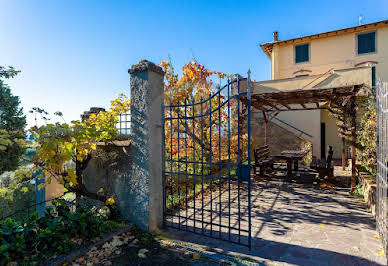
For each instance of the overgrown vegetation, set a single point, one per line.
(18, 201)
(64, 149)
(367, 140)
(17, 188)
(60, 230)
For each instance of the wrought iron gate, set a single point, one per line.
(206, 175)
(382, 160)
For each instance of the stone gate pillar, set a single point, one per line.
(147, 88)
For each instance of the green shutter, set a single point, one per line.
(366, 43)
(302, 53)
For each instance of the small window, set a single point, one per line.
(302, 53)
(303, 75)
(366, 43)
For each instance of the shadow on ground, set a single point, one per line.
(297, 224)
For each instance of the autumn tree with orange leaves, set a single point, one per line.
(200, 121)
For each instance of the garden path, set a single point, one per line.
(295, 224)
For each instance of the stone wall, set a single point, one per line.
(369, 189)
(110, 169)
(131, 171)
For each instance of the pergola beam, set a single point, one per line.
(354, 136)
(274, 115)
(299, 109)
(311, 99)
(285, 105)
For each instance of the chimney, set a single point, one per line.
(275, 36)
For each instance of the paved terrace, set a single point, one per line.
(292, 224)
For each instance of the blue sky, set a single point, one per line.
(76, 54)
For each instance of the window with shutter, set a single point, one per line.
(366, 43)
(302, 53)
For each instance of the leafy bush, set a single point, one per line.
(60, 230)
(17, 192)
(367, 138)
(18, 199)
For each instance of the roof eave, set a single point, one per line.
(267, 48)
(325, 34)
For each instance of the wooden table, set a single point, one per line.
(291, 156)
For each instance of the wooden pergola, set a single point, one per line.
(340, 101)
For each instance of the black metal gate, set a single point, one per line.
(382, 161)
(206, 175)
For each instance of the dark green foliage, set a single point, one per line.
(18, 199)
(367, 140)
(12, 121)
(60, 230)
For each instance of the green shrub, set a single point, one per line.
(367, 139)
(59, 230)
(13, 200)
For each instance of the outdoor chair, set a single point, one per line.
(262, 159)
(324, 167)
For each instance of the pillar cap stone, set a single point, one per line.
(145, 65)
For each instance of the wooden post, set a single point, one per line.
(354, 134)
(343, 142)
(265, 115)
(343, 154)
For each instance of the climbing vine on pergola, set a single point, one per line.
(341, 102)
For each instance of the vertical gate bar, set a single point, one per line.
(249, 158)
(239, 166)
(382, 164)
(219, 160)
(194, 165)
(378, 206)
(202, 158)
(171, 166)
(186, 126)
(179, 172)
(120, 124)
(384, 157)
(163, 165)
(183, 117)
(378, 99)
(229, 169)
(211, 165)
(383, 176)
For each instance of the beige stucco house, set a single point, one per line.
(347, 56)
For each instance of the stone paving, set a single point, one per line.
(292, 224)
